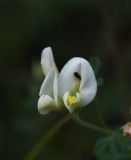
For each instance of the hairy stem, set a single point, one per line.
(46, 138)
(77, 119)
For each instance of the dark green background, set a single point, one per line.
(84, 28)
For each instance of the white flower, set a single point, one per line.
(75, 86)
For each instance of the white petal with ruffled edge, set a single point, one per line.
(47, 60)
(46, 104)
(55, 90)
(88, 85)
(67, 80)
(47, 85)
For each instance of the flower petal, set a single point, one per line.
(47, 85)
(55, 90)
(74, 105)
(46, 104)
(67, 80)
(88, 85)
(74, 70)
(47, 60)
(65, 97)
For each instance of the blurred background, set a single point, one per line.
(84, 28)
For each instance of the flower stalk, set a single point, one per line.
(32, 155)
(76, 118)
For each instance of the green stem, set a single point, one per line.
(77, 119)
(45, 139)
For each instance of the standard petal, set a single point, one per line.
(47, 60)
(88, 85)
(67, 80)
(46, 104)
(47, 85)
(74, 105)
(78, 69)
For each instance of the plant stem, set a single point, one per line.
(45, 139)
(77, 119)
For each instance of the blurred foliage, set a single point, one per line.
(85, 28)
(113, 147)
(96, 65)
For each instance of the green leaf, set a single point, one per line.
(114, 147)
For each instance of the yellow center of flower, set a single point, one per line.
(71, 99)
